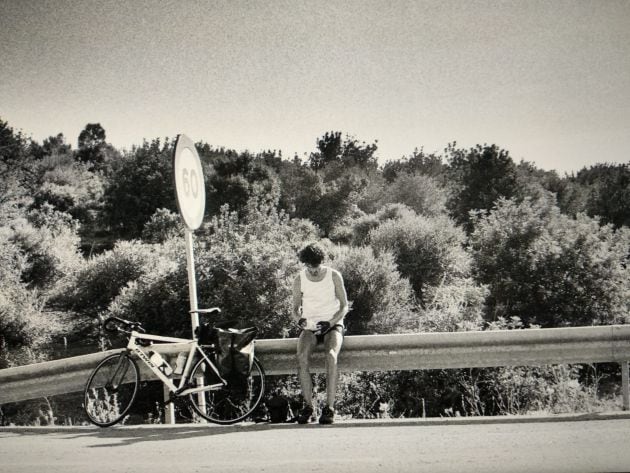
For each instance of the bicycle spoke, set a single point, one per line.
(230, 403)
(110, 390)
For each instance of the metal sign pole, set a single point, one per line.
(191, 200)
(192, 282)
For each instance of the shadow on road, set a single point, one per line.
(127, 435)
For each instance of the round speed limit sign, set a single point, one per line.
(189, 184)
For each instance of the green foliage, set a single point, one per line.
(92, 144)
(235, 178)
(427, 250)
(418, 163)
(609, 193)
(25, 328)
(162, 226)
(549, 269)
(49, 246)
(421, 193)
(249, 266)
(347, 152)
(480, 176)
(69, 187)
(307, 195)
(454, 306)
(381, 301)
(141, 183)
(406, 266)
(244, 265)
(90, 291)
(157, 293)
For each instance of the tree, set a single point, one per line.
(301, 187)
(549, 269)
(37, 248)
(140, 184)
(381, 300)
(609, 196)
(418, 163)
(421, 193)
(69, 187)
(56, 145)
(428, 250)
(348, 152)
(162, 226)
(91, 143)
(13, 146)
(329, 151)
(306, 194)
(481, 175)
(16, 164)
(234, 177)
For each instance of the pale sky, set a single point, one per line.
(549, 81)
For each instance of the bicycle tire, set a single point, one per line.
(111, 390)
(232, 403)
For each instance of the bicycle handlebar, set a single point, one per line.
(112, 325)
(206, 311)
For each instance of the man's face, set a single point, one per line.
(312, 269)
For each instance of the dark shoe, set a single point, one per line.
(305, 415)
(328, 416)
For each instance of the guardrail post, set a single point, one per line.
(625, 386)
(169, 407)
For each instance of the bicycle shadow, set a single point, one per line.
(129, 435)
(132, 435)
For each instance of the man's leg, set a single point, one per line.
(332, 343)
(305, 345)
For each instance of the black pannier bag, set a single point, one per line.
(235, 350)
(234, 347)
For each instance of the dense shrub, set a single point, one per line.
(381, 301)
(550, 269)
(49, 246)
(426, 250)
(90, 291)
(421, 193)
(24, 327)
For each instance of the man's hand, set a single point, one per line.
(322, 326)
(302, 323)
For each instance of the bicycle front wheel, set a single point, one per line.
(111, 390)
(231, 403)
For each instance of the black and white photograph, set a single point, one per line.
(314, 236)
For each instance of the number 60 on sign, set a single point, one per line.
(189, 182)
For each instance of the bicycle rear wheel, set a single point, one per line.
(228, 404)
(111, 390)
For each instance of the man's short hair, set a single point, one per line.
(312, 255)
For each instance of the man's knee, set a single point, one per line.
(331, 356)
(305, 347)
(303, 358)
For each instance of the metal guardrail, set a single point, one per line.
(528, 347)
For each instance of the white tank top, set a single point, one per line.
(319, 301)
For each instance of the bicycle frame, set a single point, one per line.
(191, 346)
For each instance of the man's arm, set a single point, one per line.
(297, 299)
(340, 292)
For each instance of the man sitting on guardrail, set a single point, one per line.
(320, 304)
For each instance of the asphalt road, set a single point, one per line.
(571, 444)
